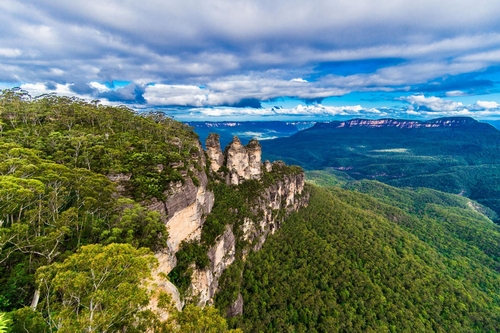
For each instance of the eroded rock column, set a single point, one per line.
(214, 152)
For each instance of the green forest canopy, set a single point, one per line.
(59, 212)
(353, 262)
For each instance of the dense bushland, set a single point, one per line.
(403, 261)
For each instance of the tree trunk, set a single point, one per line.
(36, 297)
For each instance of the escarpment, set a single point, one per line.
(225, 206)
(273, 198)
(223, 211)
(264, 195)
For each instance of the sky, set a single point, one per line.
(262, 59)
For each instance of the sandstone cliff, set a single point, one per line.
(243, 162)
(268, 210)
(400, 123)
(188, 202)
(184, 209)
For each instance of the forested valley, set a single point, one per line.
(372, 258)
(458, 155)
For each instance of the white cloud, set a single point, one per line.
(10, 53)
(487, 105)
(36, 89)
(238, 50)
(230, 90)
(99, 87)
(157, 40)
(436, 107)
(317, 110)
(454, 93)
(433, 103)
(182, 95)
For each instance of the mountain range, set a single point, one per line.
(457, 155)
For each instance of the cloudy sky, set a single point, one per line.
(260, 59)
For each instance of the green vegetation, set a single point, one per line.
(460, 160)
(395, 260)
(98, 289)
(63, 221)
(232, 205)
(194, 320)
(3, 323)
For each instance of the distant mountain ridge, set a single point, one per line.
(401, 123)
(458, 155)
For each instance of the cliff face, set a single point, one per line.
(187, 204)
(243, 162)
(272, 207)
(286, 196)
(184, 210)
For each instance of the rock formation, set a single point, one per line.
(236, 161)
(243, 162)
(214, 152)
(188, 202)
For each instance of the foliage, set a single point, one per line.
(102, 139)
(189, 252)
(349, 262)
(134, 224)
(98, 289)
(27, 320)
(193, 319)
(55, 154)
(3, 323)
(48, 210)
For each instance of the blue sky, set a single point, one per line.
(261, 59)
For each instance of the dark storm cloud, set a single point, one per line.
(82, 88)
(246, 103)
(131, 93)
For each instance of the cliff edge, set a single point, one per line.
(227, 207)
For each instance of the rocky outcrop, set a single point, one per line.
(214, 152)
(243, 162)
(270, 209)
(254, 151)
